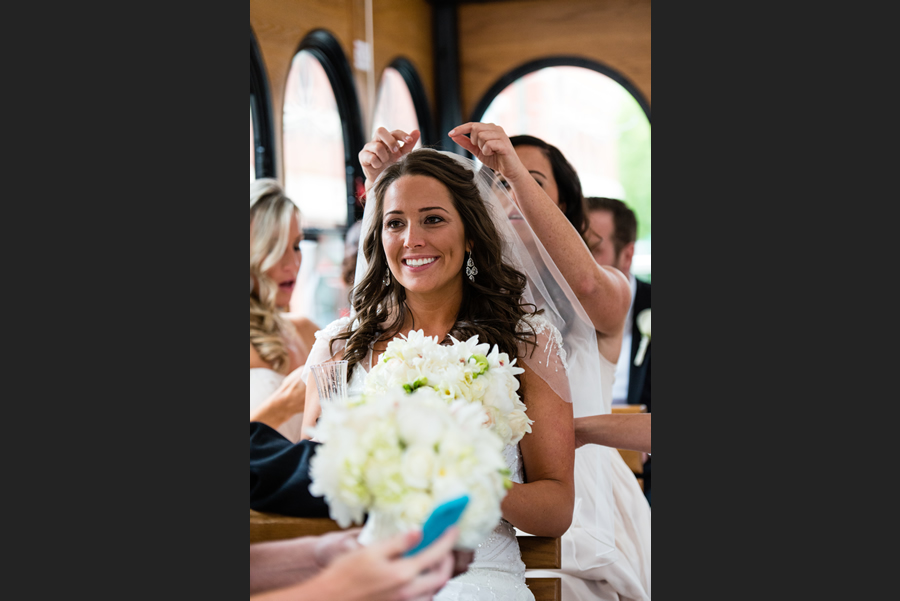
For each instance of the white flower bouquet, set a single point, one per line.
(430, 426)
(464, 370)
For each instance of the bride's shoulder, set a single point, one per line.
(540, 325)
(333, 329)
(548, 335)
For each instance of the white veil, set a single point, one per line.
(548, 290)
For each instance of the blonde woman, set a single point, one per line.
(279, 342)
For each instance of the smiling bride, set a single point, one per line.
(439, 254)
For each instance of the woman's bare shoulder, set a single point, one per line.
(305, 327)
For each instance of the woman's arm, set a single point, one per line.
(544, 505)
(278, 564)
(619, 431)
(379, 572)
(603, 291)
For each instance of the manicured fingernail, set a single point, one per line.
(409, 138)
(394, 149)
(452, 131)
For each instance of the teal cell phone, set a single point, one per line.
(443, 516)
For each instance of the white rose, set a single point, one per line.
(418, 423)
(416, 508)
(419, 465)
(520, 425)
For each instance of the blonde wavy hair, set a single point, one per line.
(270, 225)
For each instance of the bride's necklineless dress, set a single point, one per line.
(497, 572)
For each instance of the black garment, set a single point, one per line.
(279, 475)
(639, 376)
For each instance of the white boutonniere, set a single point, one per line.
(643, 324)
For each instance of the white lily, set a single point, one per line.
(643, 324)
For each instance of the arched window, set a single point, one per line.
(262, 162)
(321, 138)
(252, 148)
(402, 103)
(314, 170)
(598, 120)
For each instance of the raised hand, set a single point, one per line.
(293, 391)
(490, 145)
(385, 149)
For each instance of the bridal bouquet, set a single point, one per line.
(465, 370)
(431, 425)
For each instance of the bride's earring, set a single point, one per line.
(471, 270)
(387, 277)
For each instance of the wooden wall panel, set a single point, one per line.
(401, 28)
(497, 37)
(279, 26)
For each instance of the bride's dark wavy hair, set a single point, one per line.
(492, 306)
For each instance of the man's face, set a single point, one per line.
(600, 242)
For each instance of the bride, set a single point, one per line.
(279, 341)
(439, 254)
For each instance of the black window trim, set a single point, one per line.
(327, 50)
(420, 99)
(557, 61)
(261, 109)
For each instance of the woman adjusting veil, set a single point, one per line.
(439, 253)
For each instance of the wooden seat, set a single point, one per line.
(538, 552)
(633, 459)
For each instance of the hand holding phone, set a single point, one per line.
(444, 516)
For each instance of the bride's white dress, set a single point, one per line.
(627, 577)
(263, 382)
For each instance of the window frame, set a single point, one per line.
(557, 61)
(413, 82)
(325, 48)
(261, 108)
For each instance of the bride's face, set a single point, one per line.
(423, 235)
(284, 273)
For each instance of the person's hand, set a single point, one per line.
(292, 393)
(332, 545)
(385, 149)
(490, 145)
(381, 573)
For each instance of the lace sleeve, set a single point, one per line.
(548, 359)
(322, 350)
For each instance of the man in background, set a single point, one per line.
(610, 237)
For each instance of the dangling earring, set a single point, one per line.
(387, 277)
(471, 270)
